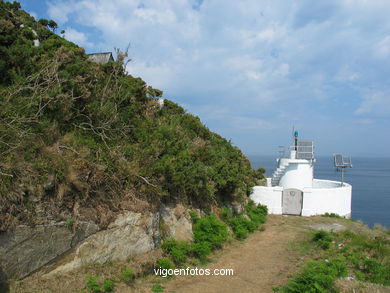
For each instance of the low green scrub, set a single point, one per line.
(323, 238)
(243, 225)
(210, 233)
(95, 286)
(331, 215)
(210, 230)
(164, 263)
(318, 276)
(359, 255)
(178, 250)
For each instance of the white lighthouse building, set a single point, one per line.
(292, 190)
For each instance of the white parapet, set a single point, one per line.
(327, 196)
(269, 196)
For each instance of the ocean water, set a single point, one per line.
(369, 177)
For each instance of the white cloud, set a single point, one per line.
(77, 37)
(252, 58)
(377, 104)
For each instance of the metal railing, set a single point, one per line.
(304, 150)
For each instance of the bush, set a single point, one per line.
(108, 285)
(323, 238)
(178, 250)
(127, 274)
(257, 213)
(317, 277)
(93, 285)
(241, 226)
(210, 230)
(201, 250)
(226, 214)
(157, 288)
(164, 263)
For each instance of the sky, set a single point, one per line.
(253, 70)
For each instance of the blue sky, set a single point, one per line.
(252, 69)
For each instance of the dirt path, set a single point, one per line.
(260, 262)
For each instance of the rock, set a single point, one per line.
(329, 227)
(26, 249)
(237, 208)
(176, 223)
(130, 234)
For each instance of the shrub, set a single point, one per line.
(108, 285)
(127, 274)
(194, 216)
(323, 238)
(201, 250)
(226, 214)
(157, 288)
(331, 215)
(317, 277)
(93, 285)
(209, 229)
(164, 263)
(178, 250)
(241, 226)
(256, 213)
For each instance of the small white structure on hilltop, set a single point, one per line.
(292, 190)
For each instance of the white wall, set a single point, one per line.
(298, 174)
(325, 197)
(269, 196)
(333, 198)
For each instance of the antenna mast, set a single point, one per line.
(341, 163)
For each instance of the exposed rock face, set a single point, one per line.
(59, 249)
(130, 234)
(176, 223)
(27, 249)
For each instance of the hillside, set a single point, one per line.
(83, 141)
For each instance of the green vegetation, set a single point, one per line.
(331, 215)
(164, 263)
(318, 276)
(94, 286)
(242, 225)
(210, 233)
(344, 253)
(127, 274)
(323, 238)
(157, 288)
(75, 132)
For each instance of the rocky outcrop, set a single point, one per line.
(130, 234)
(58, 248)
(176, 223)
(27, 249)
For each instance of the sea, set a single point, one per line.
(369, 177)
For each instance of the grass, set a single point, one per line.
(360, 255)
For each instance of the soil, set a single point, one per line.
(262, 261)
(266, 259)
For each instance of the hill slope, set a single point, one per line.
(83, 141)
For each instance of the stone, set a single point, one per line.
(176, 222)
(329, 227)
(27, 249)
(130, 234)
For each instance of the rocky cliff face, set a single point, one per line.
(59, 249)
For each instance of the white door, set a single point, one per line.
(292, 202)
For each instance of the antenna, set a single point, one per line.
(341, 163)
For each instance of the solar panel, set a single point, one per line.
(305, 149)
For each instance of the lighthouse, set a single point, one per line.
(292, 190)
